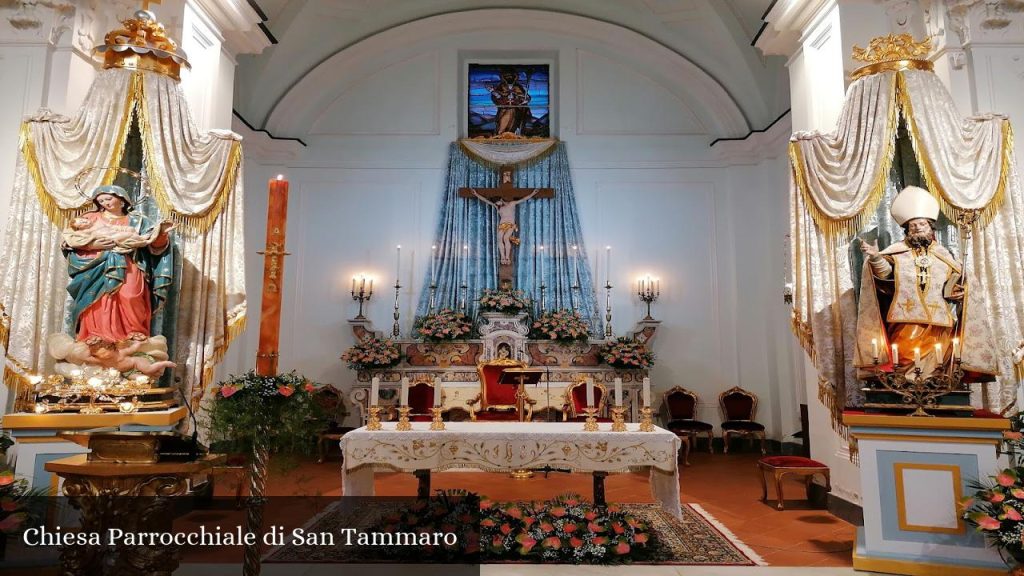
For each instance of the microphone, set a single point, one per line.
(193, 451)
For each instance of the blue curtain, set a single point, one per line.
(549, 222)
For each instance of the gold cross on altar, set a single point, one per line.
(146, 3)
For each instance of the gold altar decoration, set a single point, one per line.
(618, 419)
(839, 178)
(93, 392)
(141, 44)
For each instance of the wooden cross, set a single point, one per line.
(146, 3)
(508, 195)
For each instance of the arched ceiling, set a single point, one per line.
(714, 35)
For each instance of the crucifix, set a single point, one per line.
(504, 199)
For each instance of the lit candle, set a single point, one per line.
(437, 394)
(403, 398)
(433, 264)
(956, 348)
(590, 393)
(353, 285)
(618, 391)
(608, 264)
(575, 265)
(465, 250)
(895, 355)
(374, 391)
(371, 285)
(398, 261)
(657, 286)
(647, 392)
(917, 355)
(938, 352)
(540, 258)
(874, 348)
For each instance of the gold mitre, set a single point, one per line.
(913, 202)
(891, 53)
(142, 44)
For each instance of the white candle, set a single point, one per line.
(917, 355)
(437, 394)
(465, 250)
(647, 392)
(608, 264)
(956, 347)
(590, 393)
(403, 398)
(874, 348)
(895, 355)
(938, 352)
(433, 265)
(575, 265)
(618, 391)
(398, 261)
(374, 391)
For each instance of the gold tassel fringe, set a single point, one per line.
(59, 216)
(827, 396)
(519, 165)
(235, 327)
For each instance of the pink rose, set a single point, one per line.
(996, 497)
(986, 522)
(309, 387)
(552, 542)
(569, 527)
(285, 391)
(227, 390)
(575, 542)
(1006, 478)
(640, 538)
(622, 548)
(1011, 513)
(6, 478)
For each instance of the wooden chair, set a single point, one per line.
(576, 401)
(333, 405)
(681, 409)
(497, 402)
(738, 410)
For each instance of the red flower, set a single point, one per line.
(506, 528)
(575, 542)
(622, 548)
(486, 504)
(529, 521)
(527, 544)
(547, 527)
(514, 512)
(997, 497)
(488, 522)
(559, 511)
(640, 538)
(599, 540)
(1010, 513)
(285, 391)
(552, 542)
(309, 387)
(569, 527)
(227, 390)
(6, 478)
(985, 522)
(590, 515)
(618, 527)
(594, 527)
(1006, 478)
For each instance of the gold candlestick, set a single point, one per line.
(591, 424)
(618, 419)
(645, 420)
(436, 423)
(403, 419)
(374, 422)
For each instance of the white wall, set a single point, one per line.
(645, 180)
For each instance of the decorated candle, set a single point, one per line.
(647, 392)
(895, 355)
(374, 391)
(874, 348)
(957, 352)
(590, 393)
(618, 391)
(403, 398)
(437, 394)
(938, 352)
(917, 355)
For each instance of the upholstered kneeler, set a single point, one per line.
(779, 466)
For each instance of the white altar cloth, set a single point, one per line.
(506, 446)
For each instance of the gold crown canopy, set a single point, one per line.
(142, 44)
(891, 53)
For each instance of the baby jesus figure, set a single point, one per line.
(85, 231)
(125, 358)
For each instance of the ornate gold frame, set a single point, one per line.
(569, 410)
(481, 397)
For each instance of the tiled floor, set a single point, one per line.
(725, 485)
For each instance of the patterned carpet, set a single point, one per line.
(696, 539)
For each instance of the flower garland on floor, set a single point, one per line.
(560, 325)
(445, 324)
(627, 353)
(372, 353)
(506, 301)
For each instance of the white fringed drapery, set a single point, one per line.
(196, 180)
(838, 180)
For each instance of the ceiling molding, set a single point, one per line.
(296, 111)
(238, 22)
(785, 23)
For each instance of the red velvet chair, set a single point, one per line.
(681, 408)
(421, 399)
(738, 410)
(497, 402)
(576, 401)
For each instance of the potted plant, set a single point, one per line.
(996, 509)
(628, 354)
(504, 301)
(561, 326)
(372, 354)
(445, 324)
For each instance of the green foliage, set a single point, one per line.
(281, 409)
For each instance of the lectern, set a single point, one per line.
(520, 377)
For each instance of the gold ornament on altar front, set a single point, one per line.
(891, 53)
(93, 392)
(142, 44)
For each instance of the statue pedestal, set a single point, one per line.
(914, 470)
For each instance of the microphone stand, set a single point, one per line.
(193, 451)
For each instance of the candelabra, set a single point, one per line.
(608, 310)
(648, 290)
(101, 389)
(919, 392)
(396, 329)
(646, 425)
(618, 419)
(362, 295)
(436, 423)
(591, 423)
(403, 419)
(374, 422)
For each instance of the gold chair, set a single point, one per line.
(576, 401)
(681, 410)
(738, 410)
(498, 402)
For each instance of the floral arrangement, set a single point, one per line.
(507, 301)
(451, 511)
(627, 353)
(563, 530)
(16, 502)
(445, 324)
(562, 325)
(372, 353)
(996, 509)
(282, 410)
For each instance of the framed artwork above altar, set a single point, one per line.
(508, 96)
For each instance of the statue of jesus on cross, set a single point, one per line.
(504, 199)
